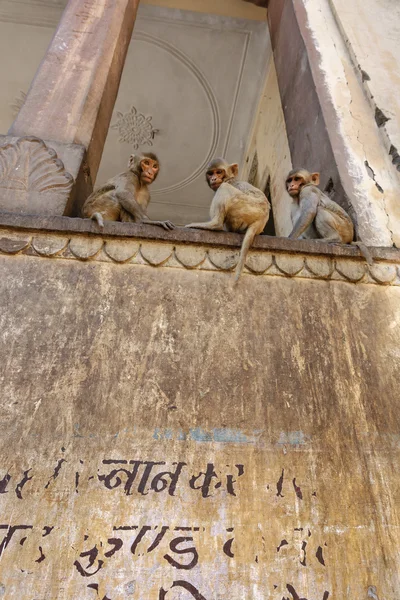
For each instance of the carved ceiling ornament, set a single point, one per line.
(134, 128)
(28, 165)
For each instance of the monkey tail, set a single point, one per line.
(248, 239)
(364, 251)
(98, 217)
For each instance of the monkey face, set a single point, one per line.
(294, 183)
(296, 180)
(149, 169)
(215, 177)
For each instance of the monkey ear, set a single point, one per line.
(315, 178)
(131, 160)
(234, 169)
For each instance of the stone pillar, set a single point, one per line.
(330, 120)
(53, 149)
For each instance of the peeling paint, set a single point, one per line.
(220, 435)
(276, 483)
(293, 438)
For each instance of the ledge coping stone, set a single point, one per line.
(182, 235)
(149, 245)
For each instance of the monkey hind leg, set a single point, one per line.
(248, 239)
(126, 217)
(332, 228)
(101, 207)
(216, 224)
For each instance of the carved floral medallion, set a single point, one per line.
(135, 128)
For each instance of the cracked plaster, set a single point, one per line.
(353, 131)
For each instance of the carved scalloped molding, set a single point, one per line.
(196, 257)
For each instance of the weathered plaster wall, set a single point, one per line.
(367, 174)
(372, 32)
(308, 137)
(152, 414)
(24, 46)
(269, 150)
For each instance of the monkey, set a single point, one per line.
(316, 216)
(126, 196)
(236, 206)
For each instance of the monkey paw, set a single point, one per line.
(167, 225)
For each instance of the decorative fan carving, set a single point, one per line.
(28, 165)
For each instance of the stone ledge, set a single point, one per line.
(73, 226)
(164, 249)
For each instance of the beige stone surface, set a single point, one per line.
(180, 47)
(320, 267)
(85, 248)
(190, 250)
(383, 273)
(156, 254)
(13, 243)
(224, 259)
(190, 256)
(269, 144)
(166, 436)
(289, 265)
(376, 23)
(121, 251)
(25, 46)
(33, 179)
(84, 62)
(49, 245)
(368, 176)
(258, 262)
(228, 8)
(173, 101)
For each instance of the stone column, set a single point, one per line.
(53, 149)
(330, 120)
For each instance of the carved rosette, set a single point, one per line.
(32, 178)
(134, 128)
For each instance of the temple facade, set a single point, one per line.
(165, 434)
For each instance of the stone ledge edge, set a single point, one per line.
(76, 226)
(146, 251)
